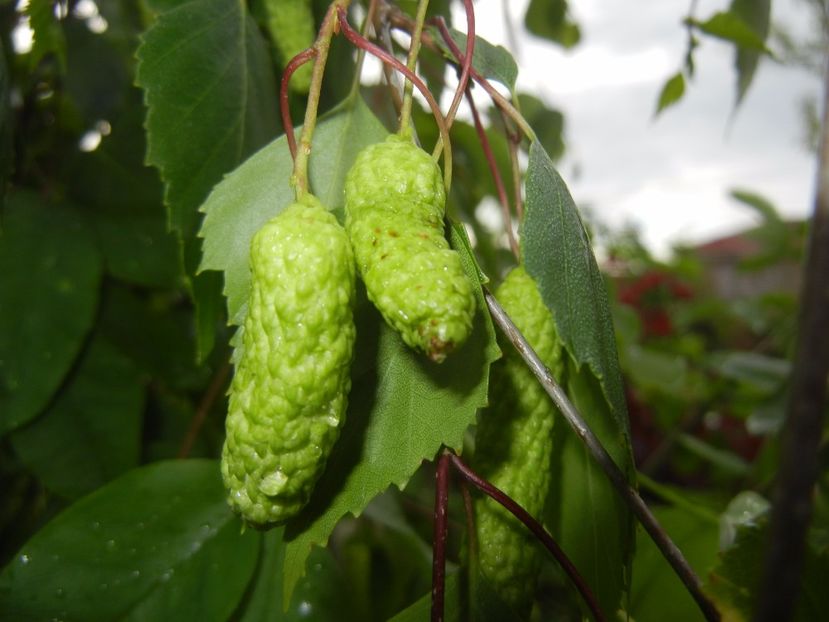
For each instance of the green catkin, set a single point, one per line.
(395, 202)
(513, 446)
(289, 391)
(291, 25)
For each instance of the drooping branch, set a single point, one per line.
(666, 546)
(538, 531)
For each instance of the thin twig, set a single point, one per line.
(496, 174)
(439, 537)
(669, 550)
(799, 461)
(466, 66)
(284, 101)
(355, 38)
(538, 531)
(213, 391)
(411, 65)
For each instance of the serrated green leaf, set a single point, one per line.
(91, 433)
(494, 62)
(259, 189)
(731, 27)
(402, 410)
(757, 15)
(551, 20)
(211, 101)
(671, 93)
(51, 269)
(158, 541)
(47, 34)
(557, 254)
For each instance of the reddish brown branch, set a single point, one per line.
(284, 103)
(213, 391)
(496, 174)
(466, 66)
(439, 537)
(538, 531)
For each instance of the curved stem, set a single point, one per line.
(597, 451)
(466, 66)
(284, 101)
(360, 41)
(496, 174)
(321, 47)
(361, 53)
(411, 64)
(538, 531)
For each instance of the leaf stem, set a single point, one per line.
(666, 546)
(284, 100)
(439, 537)
(321, 47)
(411, 65)
(538, 531)
(354, 37)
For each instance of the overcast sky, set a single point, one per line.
(669, 176)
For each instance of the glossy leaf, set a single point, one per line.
(51, 269)
(671, 93)
(91, 433)
(159, 539)
(494, 62)
(402, 410)
(259, 189)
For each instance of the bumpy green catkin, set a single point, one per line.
(291, 25)
(513, 446)
(395, 202)
(289, 391)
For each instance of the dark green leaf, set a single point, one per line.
(264, 601)
(494, 62)
(91, 433)
(757, 15)
(158, 541)
(557, 254)
(211, 99)
(259, 189)
(765, 374)
(420, 611)
(51, 269)
(402, 409)
(671, 93)
(551, 19)
(6, 131)
(721, 458)
(731, 27)
(47, 34)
